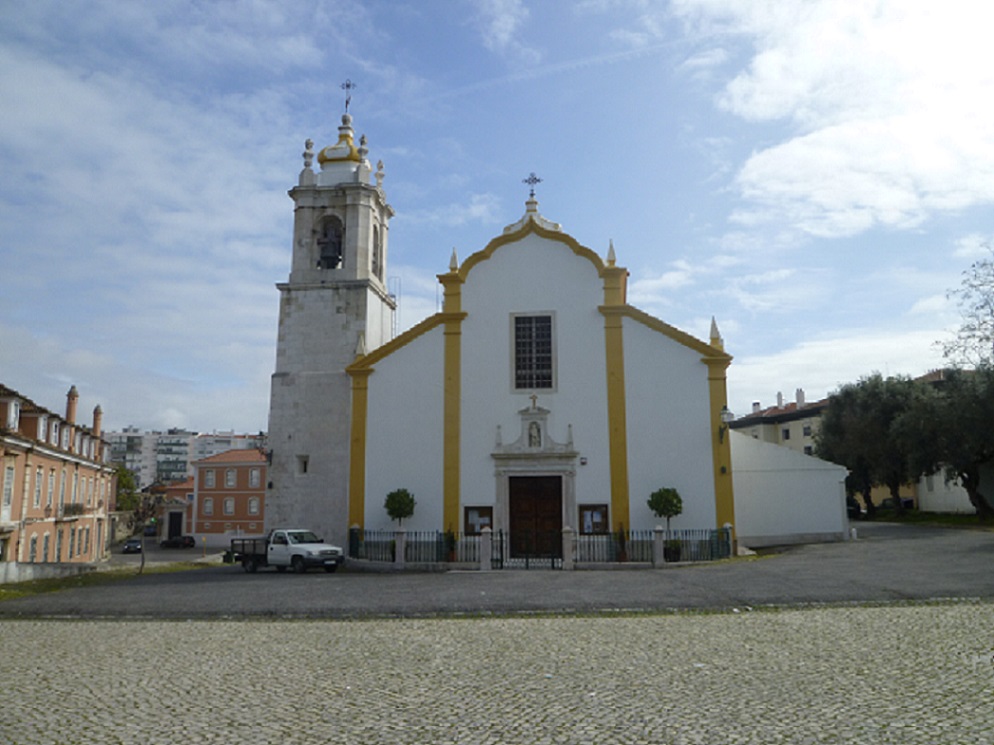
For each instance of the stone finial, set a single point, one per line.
(360, 346)
(454, 262)
(716, 340)
(379, 174)
(308, 153)
(611, 258)
(363, 150)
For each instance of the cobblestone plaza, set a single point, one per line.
(902, 674)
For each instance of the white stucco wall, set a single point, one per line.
(782, 496)
(534, 275)
(669, 440)
(404, 432)
(935, 495)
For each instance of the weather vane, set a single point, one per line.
(348, 86)
(531, 181)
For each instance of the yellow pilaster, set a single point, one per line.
(721, 453)
(452, 398)
(357, 447)
(613, 310)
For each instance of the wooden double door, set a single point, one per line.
(536, 516)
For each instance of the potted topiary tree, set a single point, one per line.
(399, 504)
(666, 502)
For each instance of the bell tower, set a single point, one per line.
(334, 306)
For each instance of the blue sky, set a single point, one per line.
(816, 175)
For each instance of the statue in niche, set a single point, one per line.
(534, 435)
(330, 244)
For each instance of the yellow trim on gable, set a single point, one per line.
(676, 334)
(367, 361)
(357, 447)
(531, 226)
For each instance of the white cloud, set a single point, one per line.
(890, 105)
(500, 23)
(974, 246)
(820, 366)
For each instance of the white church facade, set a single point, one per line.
(536, 399)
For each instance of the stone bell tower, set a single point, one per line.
(334, 306)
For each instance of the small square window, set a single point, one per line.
(806, 431)
(786, 433)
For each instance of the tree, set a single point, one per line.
(127, 496)
(399, 504)
(666, 502)
(974, 341)
(859, 430)
(964, 432)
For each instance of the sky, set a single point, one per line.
(816, 175)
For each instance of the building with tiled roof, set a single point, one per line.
(225, 498)
(791, 424)
(57, 485)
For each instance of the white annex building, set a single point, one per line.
(538, 398)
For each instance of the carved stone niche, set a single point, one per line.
(534, 453)
(534, 438)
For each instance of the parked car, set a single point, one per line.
(296, 549)
(179, 541)
(132, 546)
(853, 509)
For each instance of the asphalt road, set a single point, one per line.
(887, 563)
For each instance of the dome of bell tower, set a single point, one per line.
(344, 149)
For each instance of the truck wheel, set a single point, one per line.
(330, 568)
(298, 564)
(249, 566)
(281, 569)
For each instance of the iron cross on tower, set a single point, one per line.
(531, 181)
(348, 86)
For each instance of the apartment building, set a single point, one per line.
(791, 424)
(226, 497)
(57, 484)
(168, 457)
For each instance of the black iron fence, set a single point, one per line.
(539, 550)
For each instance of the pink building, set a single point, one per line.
(56, 483)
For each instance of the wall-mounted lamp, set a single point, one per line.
(726, 417)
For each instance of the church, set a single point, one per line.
(536, 399)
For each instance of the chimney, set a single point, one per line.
(799, 395)
(72, 398)
(755, 407)
(779, 400)
(98, 418)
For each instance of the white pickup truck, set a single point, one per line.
(298, 549)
